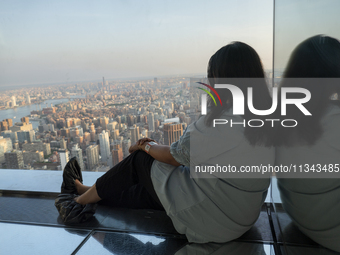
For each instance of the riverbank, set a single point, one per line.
(23, 111)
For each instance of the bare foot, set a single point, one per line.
(89, 197)
(81, 188)
(78, 184)
(75, 199)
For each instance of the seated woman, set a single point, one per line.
(216, 209)
(311, 198)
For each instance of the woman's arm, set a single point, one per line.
(157, 151)
(160, 153)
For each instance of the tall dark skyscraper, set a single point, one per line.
(172, 132)
(14, 159)
(117, 154)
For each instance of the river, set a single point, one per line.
(17, 113)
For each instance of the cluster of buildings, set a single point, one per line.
(11, 101)
(99, 127)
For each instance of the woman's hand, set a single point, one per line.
(143, 140)
(159, 152)
(139, 143)
(133, 148)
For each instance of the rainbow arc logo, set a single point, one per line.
(213, 90)
(239, 104)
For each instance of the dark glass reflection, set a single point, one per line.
(310, 191)
(130, 244)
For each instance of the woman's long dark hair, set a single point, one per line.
(239, 60)
(316, 57)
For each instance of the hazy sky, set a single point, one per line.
(59, 41)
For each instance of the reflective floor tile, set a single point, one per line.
(40, 210)
(231, 248)
(147, 221)
(299, 250)
(261, 230)
(287, 232)
(130, 244)
(29, 239)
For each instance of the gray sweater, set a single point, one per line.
(215, 209)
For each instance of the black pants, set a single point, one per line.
(128, 184)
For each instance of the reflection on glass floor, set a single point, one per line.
(31, 225)
(33, 239)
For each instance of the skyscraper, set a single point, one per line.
(14, 101)
(4, 125)
(152, 108)
(10, 122)
(25, 120)
(119, 119)
(64, 158)
(74, 132)
(63, 144)
(28, 136)
(5, 145)
(93, 136)
(126, 145)
(9, 134)
(104, 143)
(51, 127)
(92, 132)
(115, 134)
(92, 157)
(92, 128)
(41, 128)
(78, 153)
(103, 122)
(172, 132)
(28, 99)
(134, 134)
(84, 125)
(65, 132)
(32, 156)
(38, 146)
(99, 130)
(151, 122)
(31, 135)
(117, 154)
(87, 138)
(14, 159)
(131, 120)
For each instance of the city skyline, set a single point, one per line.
(97, 126)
